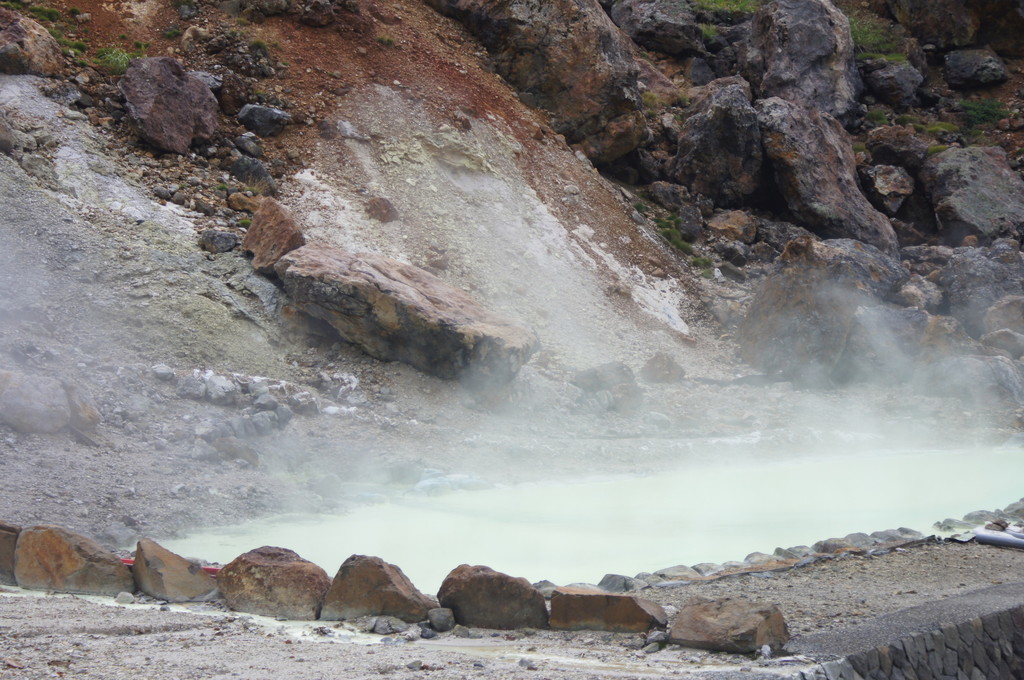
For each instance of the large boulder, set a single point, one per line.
(815, 170)
(967, 69)
(719, 146)
(943, 23)
(26, 47)
(729, 625)
(1000, 25)
(273, 234)
(479, 596)
(897, 145)
(33, 403)
(274, 582)
(53, 558)
(8, 542)
(369, 586)
(399, 312)
(164, 575)
(172, 109)
(801, 317)
(585, 609)
(975, 193)
(567, 57)
(974, 279)
(894, 83)
(668, 27)
(1007, 313)
(978, 381)
(801, 50)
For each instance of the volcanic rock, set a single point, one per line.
(815, 170)
(967, 69)
(53, 558)
(441, 619)
(1005, 313)
(943, 23)
(668, 27)
(255, 175)
(897, 145)
(484, 598)
(265, 7)
(1000, 25)
(887, 186)
(241, 202)
(369, 586)
(272, 234)
(218, 241)
(584, 609)
(975, 279)
(381, 209)
(164, 575)
(611, 386)
(398, 312)
(317, 13)
(734, 225)
(1006, 340)
(265, 121)
(895, 83)
(274, 582)
(233, 93)
(33, 403)
(172, 108)
(978, 381)
(729, 625)
(8, 140)
(719, 146)
(567, 57)
(662, 368)
(26, 47)
(975, 193)
(799, 320)
(8, 542)
(801, 51)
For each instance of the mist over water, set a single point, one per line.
(701, 510)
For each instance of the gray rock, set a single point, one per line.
(815, 171)
(978, 381)
(264, 121)
(162, 372)
(975, 193)
(1006, 340)
(975, 279)
(801, 51)
(26, 47)
(678, 573)
(707, 568)
(33, 403)
(617, 583)
(264, 422)
(221, 389)
(39, 167)
(895, 83)
(191, 386)
(441, 619)
(254, 174)
(668, 27)
(248, 145)
(897, 145)
(218, 241)
(966, 69)
(7, 137)
(719, 147)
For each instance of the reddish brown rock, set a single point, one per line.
(729, 625)
(583, 609)
(241, 202)
(479, 596)
(567, 57)
(27, 47)
(369, 586)
(398, 312)
(53, 558)
(172, 108)
(272, 235)
(161, 574)
(274, 582)
(8, 542)
(734, 225)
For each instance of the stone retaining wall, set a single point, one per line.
(984, 647)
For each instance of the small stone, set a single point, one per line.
(124, 598)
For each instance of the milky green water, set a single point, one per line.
(577, 531)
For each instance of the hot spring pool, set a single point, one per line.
(572, 530)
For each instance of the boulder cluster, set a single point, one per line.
(277, 582)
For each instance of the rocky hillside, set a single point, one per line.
(257, 253)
